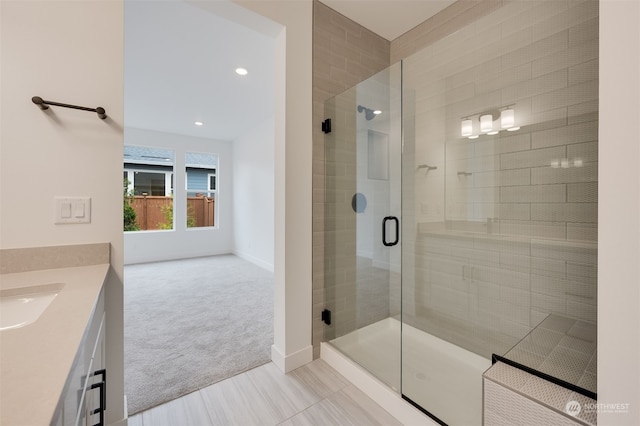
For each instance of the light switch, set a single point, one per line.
(65, 210)
(78, 209)
(72, 210)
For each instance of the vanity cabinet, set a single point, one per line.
(83, 400)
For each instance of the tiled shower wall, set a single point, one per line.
(507, 224)
(344, 54)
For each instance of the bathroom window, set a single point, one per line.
(201, 191)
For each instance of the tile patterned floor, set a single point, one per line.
(314, 394)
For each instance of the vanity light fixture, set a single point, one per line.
(488, 124)
(377, 112)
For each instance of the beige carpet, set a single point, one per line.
(190, 323)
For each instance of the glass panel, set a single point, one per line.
(201, 189)
(148, 183)
(500, 203)
(148, 188)
(362, 275)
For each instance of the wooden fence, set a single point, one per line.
(156, 212)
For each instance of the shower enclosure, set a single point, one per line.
(461, 208)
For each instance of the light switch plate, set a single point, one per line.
(72, 210)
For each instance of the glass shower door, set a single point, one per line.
(362, 224)
(500, 143)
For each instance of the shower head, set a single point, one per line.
(369, 114)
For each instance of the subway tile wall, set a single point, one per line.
(507, 224)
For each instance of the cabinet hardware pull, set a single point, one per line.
(103, 372)
(100, 409)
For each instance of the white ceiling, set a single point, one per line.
(180, 59)
(180, 66)
(388, 18)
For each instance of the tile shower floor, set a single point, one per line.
(314, 394)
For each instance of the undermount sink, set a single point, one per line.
(23, 306)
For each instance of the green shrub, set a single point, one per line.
(129, 213)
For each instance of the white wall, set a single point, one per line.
(180, 243)
(293, 146)
(619, 211)
(253, 194)
(70, 52)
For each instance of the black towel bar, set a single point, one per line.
(42, 104)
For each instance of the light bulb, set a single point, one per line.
(486, 123)
(507, 118)
(466, 128)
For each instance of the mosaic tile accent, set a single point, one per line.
(540, 390)
(507, 375)
(589, 415)
(515, 397)
(505, 406)
(561, 347)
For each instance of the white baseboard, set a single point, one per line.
(256, 261)
(383, 395)
(292, 361)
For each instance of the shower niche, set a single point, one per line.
(481, 164)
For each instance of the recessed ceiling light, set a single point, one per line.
(241, 71)
(198, 123)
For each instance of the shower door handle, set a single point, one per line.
(384, 231)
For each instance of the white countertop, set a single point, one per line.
(36, 359)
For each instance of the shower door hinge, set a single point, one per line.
(326, 317)
(326, 126)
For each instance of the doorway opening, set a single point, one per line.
(184, 104)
